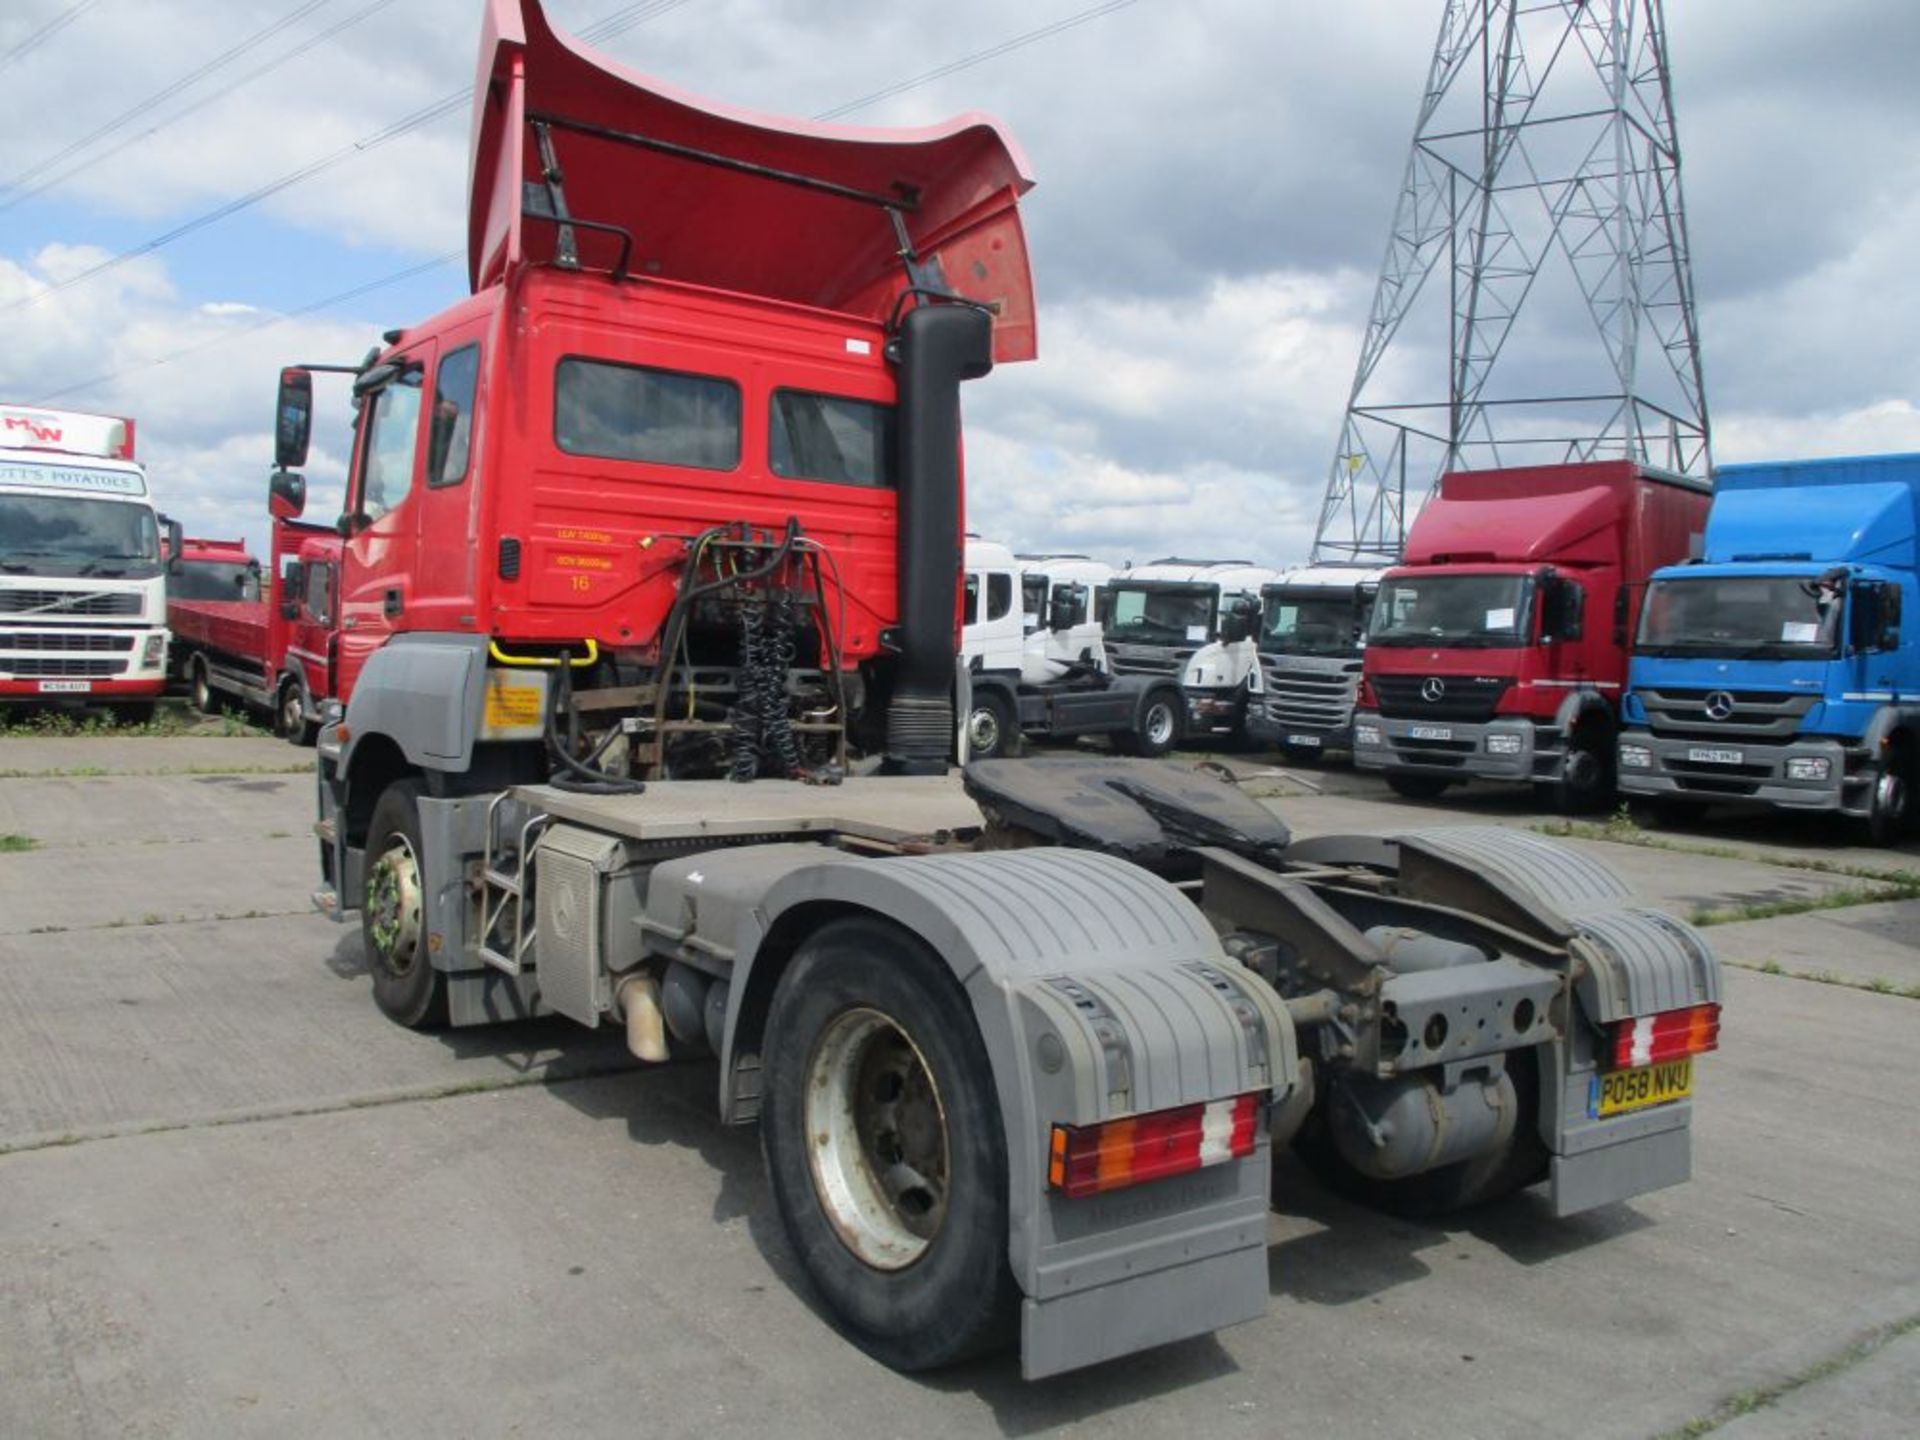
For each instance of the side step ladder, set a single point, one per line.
(506, 926)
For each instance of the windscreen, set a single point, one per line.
(210, 580)
(71, 535)
(1160, 616)
(1308, 623)
(1455, 611)
(1741, 615)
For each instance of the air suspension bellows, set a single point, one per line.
(936, 347)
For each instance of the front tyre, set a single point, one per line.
(290, 715)
(1416, 787)
(1890, 804)
(406, 987)
(1157, 730)
(885, 1149)
(991, 732)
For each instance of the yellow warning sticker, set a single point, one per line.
(514, 702)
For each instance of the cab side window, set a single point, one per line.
(450, 434)
(319, 594)
(999, 596)
(393, 438)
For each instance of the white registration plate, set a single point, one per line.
(1312, 742)
(1717, 757)
(1431, 732)
(66, 687)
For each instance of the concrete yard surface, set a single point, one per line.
(234, 1200)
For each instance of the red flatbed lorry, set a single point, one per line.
(267, 639)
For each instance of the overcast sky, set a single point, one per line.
(1216, 179)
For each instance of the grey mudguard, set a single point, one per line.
(403, 694)
(1624, 961)
(1100, 991)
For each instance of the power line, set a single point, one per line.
(257, 73)
(46, 32)
(615, 24)
(978, 57)
(950, 68)
(265, 323)
(159, 97)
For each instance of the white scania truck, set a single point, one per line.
(83, 606)
(1192, 620)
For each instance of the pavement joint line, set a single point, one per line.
(1614, 832)
(37, 844)
(100, 772)
(1875, 986)
(1759, 1397)
(301, 1110)
(151, 921)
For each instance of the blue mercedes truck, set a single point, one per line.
(1775, 671)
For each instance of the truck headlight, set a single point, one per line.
(1366, 734)
(155, 651)
(1503, 744)
(1809, 767)
(1636, 757)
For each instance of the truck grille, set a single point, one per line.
(69, 602)
(68, 643)
(61, 669)
(1466, 698)
(1750, 714)
(1312, 700)
(1149, 660)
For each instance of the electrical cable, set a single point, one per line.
(134, 112)
(613, 25)
(46, 32)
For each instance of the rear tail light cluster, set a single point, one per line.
(1087, 1159)
(1670, 1035)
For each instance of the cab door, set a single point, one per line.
(311, 629)
(380, 556)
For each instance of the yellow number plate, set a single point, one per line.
(1619, 1091)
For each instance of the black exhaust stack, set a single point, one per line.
(937, 347)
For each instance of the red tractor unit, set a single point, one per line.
(264, 640)
(649, 613)
(1498, 650)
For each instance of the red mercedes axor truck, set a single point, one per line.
(1498, 650)
(649, 650)
(268, 640)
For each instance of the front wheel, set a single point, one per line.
(990, 727)
(1416, 787)
(290, 716)
(1157, 730)
(1585, 782)
(885, 1148)
(1890, 806)
(406, 987)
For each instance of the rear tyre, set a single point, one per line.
(1156, 731)
(406, 987)
(200, 691)
(290, 714)
(1416, 787)
(991, 731)
(885, 1148)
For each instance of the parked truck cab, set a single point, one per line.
(1313, 627)
(1193, 620)
(82, 585)
(1783, 671)
(1499, 650)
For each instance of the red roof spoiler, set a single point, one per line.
(654, 181)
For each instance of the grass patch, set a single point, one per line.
(167, 723)
(1878, 985)
(17, 844)
(95, 772)
(1761, 1396)
(1620, 829)
(1841, 899)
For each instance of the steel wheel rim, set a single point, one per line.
(876, 1139)
(202, 690)
(293, 715)
(1160, 724)
(393, 906)
(1890, 797)
(983, 731)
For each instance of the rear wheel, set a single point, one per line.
(885, 1148)
(1416, 787)
(990, 727)
(406, 987)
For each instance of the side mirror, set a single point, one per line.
(1067, 607)
(1562, 602)
(286, 494)
(1237, 623)
(176, 544)
(293, 419)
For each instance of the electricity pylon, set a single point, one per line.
(1536, 302)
